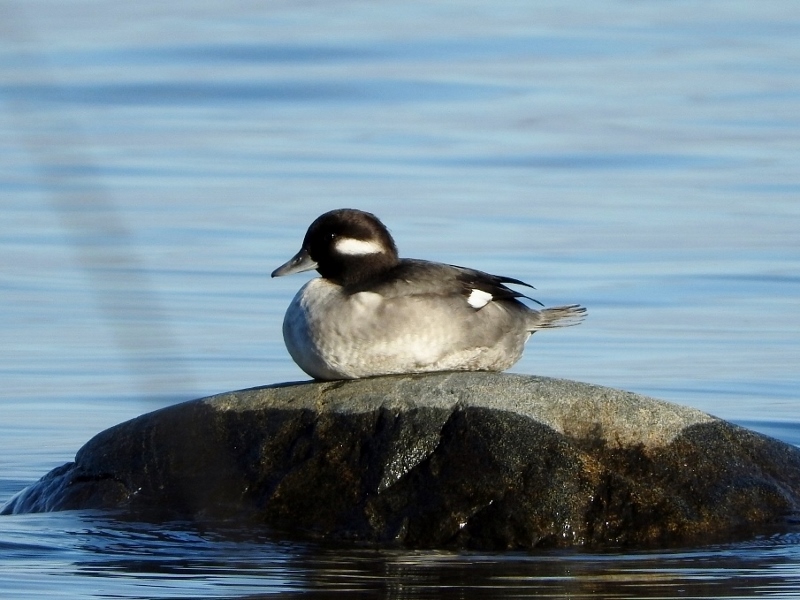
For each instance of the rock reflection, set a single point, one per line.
(207, 560)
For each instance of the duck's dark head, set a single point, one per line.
(345, 246)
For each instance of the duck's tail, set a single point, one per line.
(558, 316)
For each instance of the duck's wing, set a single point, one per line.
(418, 277)
(495, 285)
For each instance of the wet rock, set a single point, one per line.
(480, 460)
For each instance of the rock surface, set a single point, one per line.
(481, 460)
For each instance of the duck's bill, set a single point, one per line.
(297, 264)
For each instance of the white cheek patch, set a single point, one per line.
(478, 299)
(354, 247)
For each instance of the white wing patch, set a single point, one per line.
(478, 299)
(354, 247)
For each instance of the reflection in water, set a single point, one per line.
(205, 561)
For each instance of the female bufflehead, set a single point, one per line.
(372, 313)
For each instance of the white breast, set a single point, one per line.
(301, 327)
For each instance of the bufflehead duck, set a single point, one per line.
(373, 313)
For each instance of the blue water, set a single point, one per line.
(159, 160)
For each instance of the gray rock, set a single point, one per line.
(481, 460)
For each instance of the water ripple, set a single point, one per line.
(199, 93)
